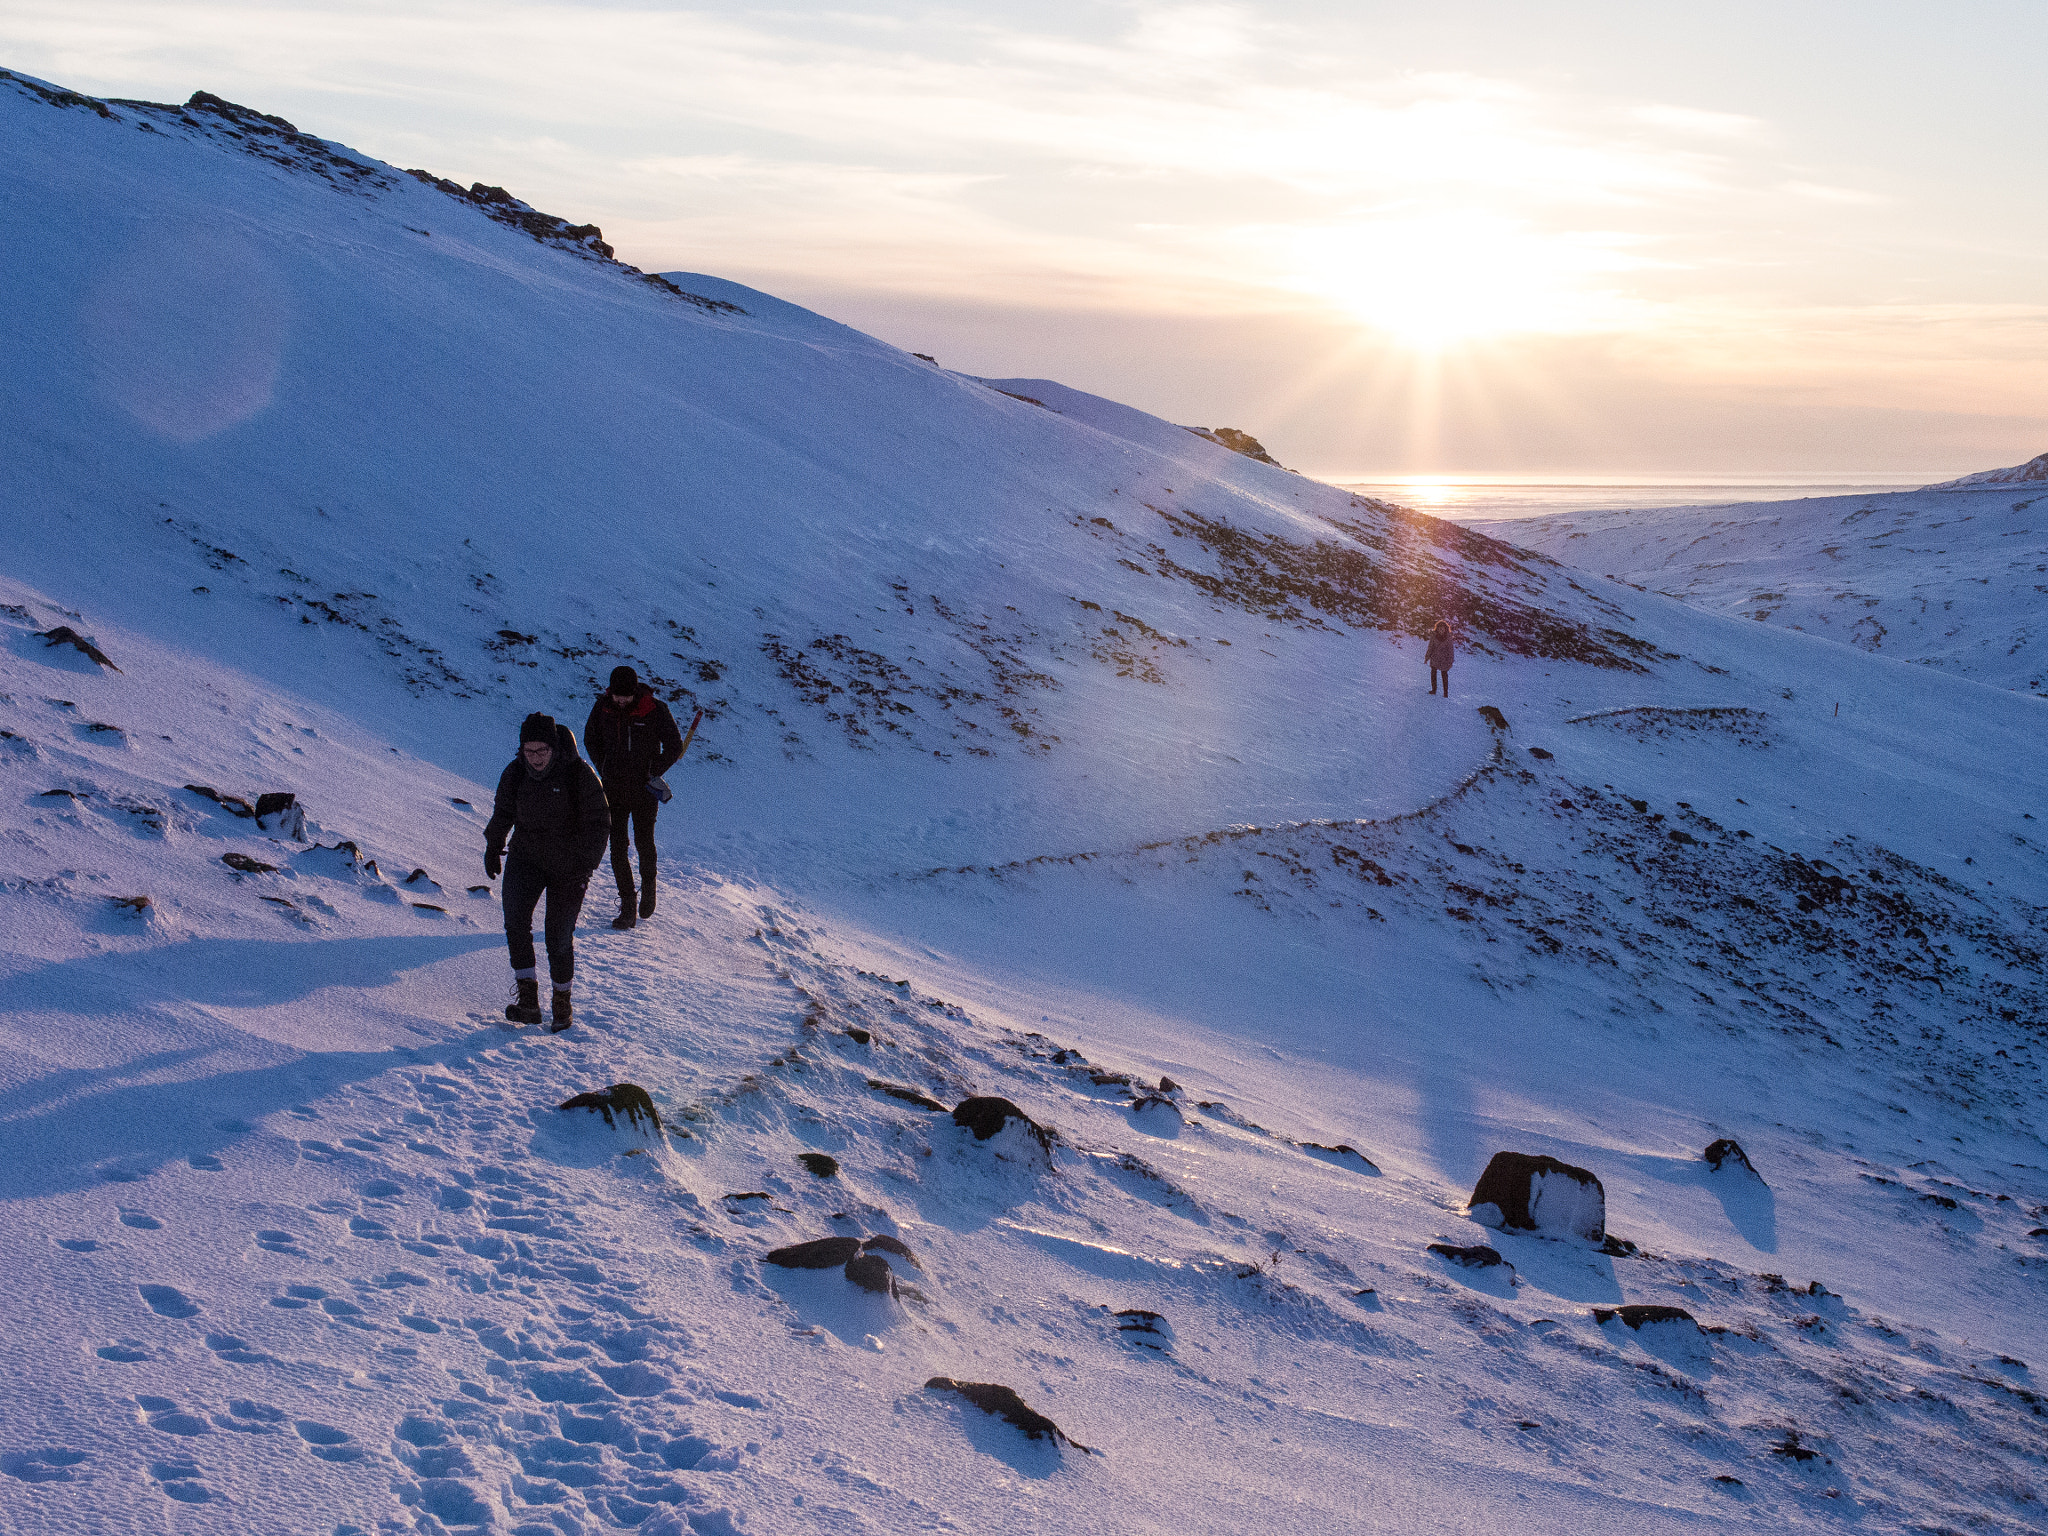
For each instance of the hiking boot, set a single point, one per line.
(647, 897)
(625, 919)
(525, 1009)
(564, 1014)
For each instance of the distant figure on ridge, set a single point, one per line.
(633, 741)
(1439, 656)
(554, 808)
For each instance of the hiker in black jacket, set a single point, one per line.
(554, 808)
(633, 741)
(1439, 654)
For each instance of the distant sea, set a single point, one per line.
(1476, 498)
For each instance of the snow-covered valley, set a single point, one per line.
(1051, 752)
(1953, 576)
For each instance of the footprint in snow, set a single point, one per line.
(50, 1466)
(206, 1163)
(278, 1241)
(327, 1442)
(235, 1351)
(123, 1351)
(298, 1297)
(78, 1244)
(179, 1479)
(140, 1220)
(245, 1417)
(165, 1416)
(168, 1301)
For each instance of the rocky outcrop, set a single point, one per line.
(1727, 1154)
(987, 1114)
(1526, 1193)
(1639, 1316)
(823, 1164)
(64, 634)
(819, 1253)
(628, 1099)
(1479, 1256)
(992, 1397)
(907, 1095)
(1238, 442)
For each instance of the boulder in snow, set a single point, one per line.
(242, 863)
(628, 1099)
(992, 1397)
(819, 1253)
(233, 804)
(1479, 1256)
(64, 634)
(823, 1164)
(1137, 1325)
(1727, 1154)
(1645, 1315)
(907, 1095)
(986, 1114)
(1493, 717)
(871, 1272)
(280, 814)
(1520, 1192)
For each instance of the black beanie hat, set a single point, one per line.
(537, 727)
(624, 680)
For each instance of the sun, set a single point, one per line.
(1436, 280)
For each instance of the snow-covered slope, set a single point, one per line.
(1051, 752)
(1954, 576)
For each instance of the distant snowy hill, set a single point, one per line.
(1051, 753)
(1954, 576)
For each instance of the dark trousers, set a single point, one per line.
(524, 884)
(641, 812)
(1445, 674)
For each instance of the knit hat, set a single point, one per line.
(624, 680)
(537, 727)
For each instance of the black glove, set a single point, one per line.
(494, 861)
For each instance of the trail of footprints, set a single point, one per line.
(543, 1374)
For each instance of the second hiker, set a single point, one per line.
(632, 741)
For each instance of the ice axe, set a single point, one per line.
(660, 787)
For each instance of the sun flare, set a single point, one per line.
(1435, 281)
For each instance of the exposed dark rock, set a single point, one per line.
(247, 865)
(1168, 1085)
(746, 1194)
(1541, 1194)
(1238, 442)
(1727, 1151)
(64, 634)
(986, 1114)
(1477, 1257)
(62, 794)
(1495, 718)
(1791, 1449)
(1156, 1103)
(233, 804)
(1619, 1247)
(1343, 1151)
(1140, 1326)
(907, 1095)
(1538, 752)
(628, 1099)
(819, 1253)
(991, 1397)
(871, 1272)
(858, 1036)
(1637, 1315)
(883, 1243)
(822, 1164)
(279, 812)
(136, 904)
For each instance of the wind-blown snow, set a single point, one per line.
(1050, 752)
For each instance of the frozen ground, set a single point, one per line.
(983, 804)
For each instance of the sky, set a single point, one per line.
(1478, 237)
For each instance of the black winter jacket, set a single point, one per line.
(632, 745)
(560, 820)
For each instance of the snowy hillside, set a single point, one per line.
(1052, 752)
(1954, 576)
